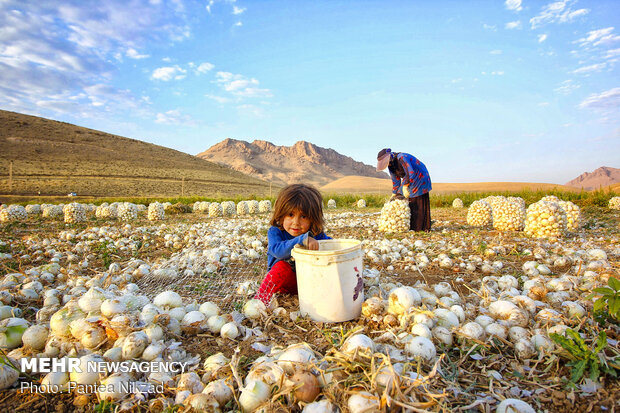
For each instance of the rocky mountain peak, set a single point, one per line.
(302, 162)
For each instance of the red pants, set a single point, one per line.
(280, 279)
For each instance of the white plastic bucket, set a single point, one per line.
(329, 281)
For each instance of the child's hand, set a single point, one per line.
(313, 244)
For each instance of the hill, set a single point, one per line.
(365, 185)
(601, 177)
(47, 157)
(282, 165)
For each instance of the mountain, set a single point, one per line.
(601, 177)
(47, 157)
(303, 162)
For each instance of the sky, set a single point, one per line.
(515, 90)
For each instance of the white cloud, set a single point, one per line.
(168, 73)
(542, 38)
(610, 99)
(513, 25)
(240, 85)
(238, 10)
(238, 24)
(204, 67)
(612, 53)
(489, 27)
(495, 52)
(133, 54)
(557, 12)
(599, 37)
(513, 5)
(219, 99)
(567, 87)
(60, 55)
(592, 68)
(174, 117)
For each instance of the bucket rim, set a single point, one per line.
(303, 251)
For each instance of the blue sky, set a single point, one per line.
(512, 90)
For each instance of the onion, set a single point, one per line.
(60, 320)
(254, 309)
(86, 376)
(35, 337)
(114, 387)
(194, 322)
(220, 391)
(229, 330)
(472, 330)
(110, 308)
(154, 332)
(358, 343)
(153, 350)
(446, 318)
(421, 347)
(403, 298)
(93, 337)
(11, 332)
(209, 308)
(215, 323)
(443, 335)
(91, 301)
(215, 362)
(253, 395)
(202, 403)
(299, 353)
(8, 375)
(168, 299)
(421, 330)
(364, 402)
(268, 372)
(178, 313)
(373, 306)
(308, 389)
(56, 380)
(134, 345)
(190, 381)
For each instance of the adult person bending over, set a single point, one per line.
(411, 179)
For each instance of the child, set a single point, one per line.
(297, 220)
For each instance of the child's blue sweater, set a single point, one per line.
(281, 243)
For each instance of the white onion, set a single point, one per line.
(168, 299)
(421, 347)
(403, 298)
(35, 337)
(209, 309)
(220, 391)
(364, 402)
(112, 307)
(229, 330)
(358, 343)
(134, 345)
(253, 396)
(254, 309)
(114, 387)
(11, 332)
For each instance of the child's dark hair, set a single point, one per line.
(305, 198)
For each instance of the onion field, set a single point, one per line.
(504, 306)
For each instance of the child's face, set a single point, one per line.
(296, 223)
